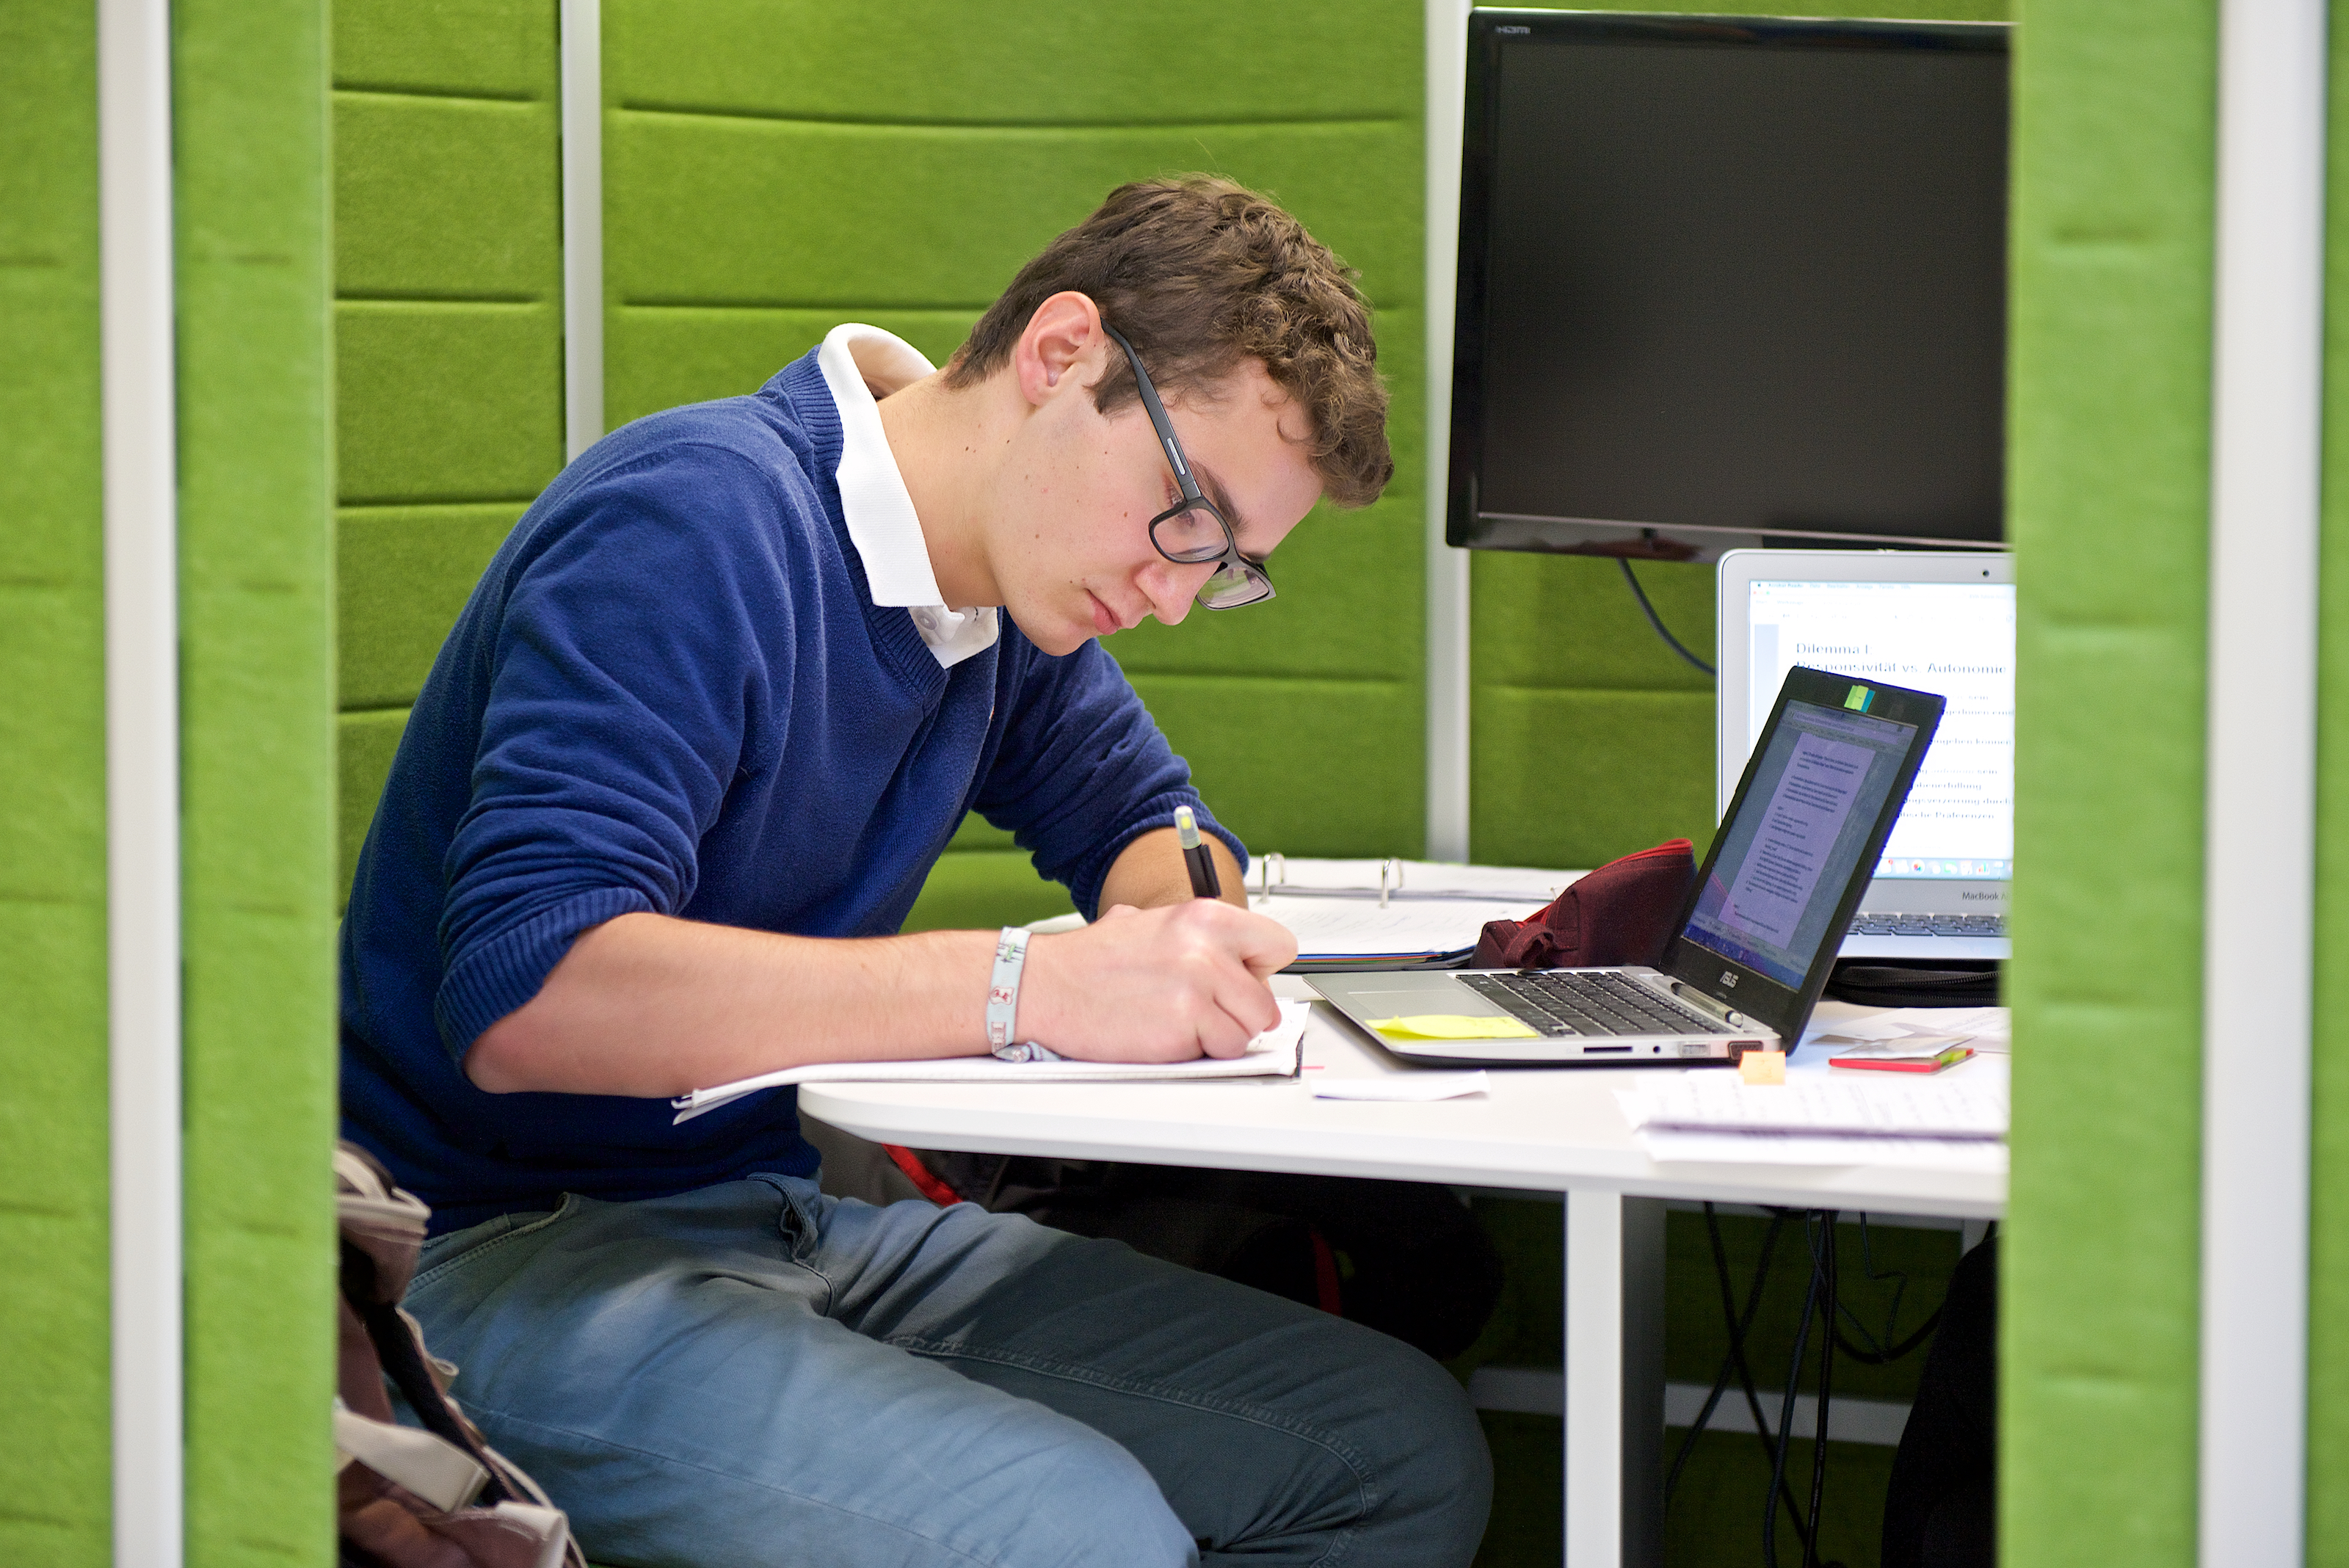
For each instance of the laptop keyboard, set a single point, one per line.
(1867, 924)
(1568, 1001)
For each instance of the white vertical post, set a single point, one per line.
(1447, 568)
(1594, 1380)
(583, 225)
(2259, 800)
(140, 469)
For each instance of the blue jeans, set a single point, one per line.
(757, 1376)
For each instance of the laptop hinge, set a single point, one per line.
(1727, 1017)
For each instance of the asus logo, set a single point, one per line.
(1729, 979)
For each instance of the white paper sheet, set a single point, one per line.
(1718, 1102)
(1276, 1051)
(1409, 1087)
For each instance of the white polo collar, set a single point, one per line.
(855, 360)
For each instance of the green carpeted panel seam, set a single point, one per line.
(388, 304)
(368, 90)
(900, 122)
(425, 296)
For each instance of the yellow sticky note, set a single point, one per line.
(1763, 1067)
(1454, 1026)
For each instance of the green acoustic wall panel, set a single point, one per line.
(726, 210)
(257, 804)
(1589, 737)
(403, 572)
(1044, 61)
(772, 170)
(365, 742)
(54, 1434)
(445, 199)
(2109, 503)
(445, 402)
(659, 357)
(2328, 1314)
(445, 48)
(448, 265)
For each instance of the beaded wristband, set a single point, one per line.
(1003, 1000)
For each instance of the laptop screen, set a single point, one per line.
(1784, 860)
(1953, 638)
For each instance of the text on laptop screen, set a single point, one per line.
(1792, 847)
(1954, 639)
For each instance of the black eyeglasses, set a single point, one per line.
(1193, 531)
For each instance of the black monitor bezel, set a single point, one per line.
(1489, 31)
(1741, 986)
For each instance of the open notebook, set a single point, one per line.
(1276, 1052)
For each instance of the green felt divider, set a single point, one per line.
(447, 402)
(662, 357)
(976, 889)
(899, 167)
(442, 198)
(2328, 1231)
(490, 49)
(402, 573)
(1301, 766)
(709, 211)
(1589, 737)
(1040, 62)
(257, 805)
(2108, 488)
(365, 742)
(55, 1463)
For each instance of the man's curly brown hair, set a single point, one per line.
(1200, 274)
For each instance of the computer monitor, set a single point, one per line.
(1727, 281)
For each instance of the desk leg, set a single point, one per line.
(1614, 1381)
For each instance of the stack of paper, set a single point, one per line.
(1278, 1051)
(1713, 1116)
(1915, 1032)
(1430, 920)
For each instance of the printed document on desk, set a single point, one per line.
(1433, 912)
(1276, 1052)
(1953, 1123)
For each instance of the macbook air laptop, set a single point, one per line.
(1939, 621)
(1758, 931)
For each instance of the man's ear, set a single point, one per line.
(1062, 346)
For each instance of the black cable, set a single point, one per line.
(1786, 1417)
(1739, 1325)
(1656, 620)
(1826, 1392)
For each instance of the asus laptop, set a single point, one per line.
(1758, 931)
(1940, 621)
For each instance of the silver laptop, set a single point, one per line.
(1757, 933)
(1940, 621)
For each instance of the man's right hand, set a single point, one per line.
(1164, 984)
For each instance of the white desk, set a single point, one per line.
(1554, 1131)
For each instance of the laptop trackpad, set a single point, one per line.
(1446, 996)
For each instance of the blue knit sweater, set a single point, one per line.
(672, 691)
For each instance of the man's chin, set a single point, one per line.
(1057, 638)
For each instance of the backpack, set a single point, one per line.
(405, 1497)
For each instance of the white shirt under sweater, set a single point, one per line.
(858, 362)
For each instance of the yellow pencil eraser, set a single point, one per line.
(1763, 1067)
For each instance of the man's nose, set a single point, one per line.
(1171, 589)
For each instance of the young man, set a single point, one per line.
(684, 762)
